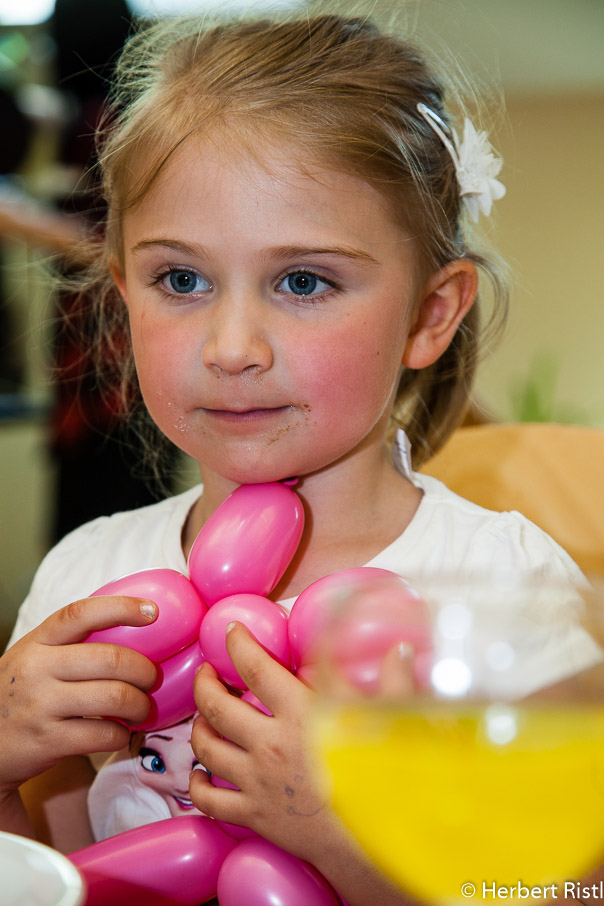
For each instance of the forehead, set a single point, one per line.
(272, 185)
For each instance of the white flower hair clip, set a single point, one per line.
(475, 164)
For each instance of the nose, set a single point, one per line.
(237, 341)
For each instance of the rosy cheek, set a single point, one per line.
(347, 369)
(163, 365)
(159, 341)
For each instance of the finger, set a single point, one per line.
(272, 683)
(83, 735)
(104, 660)
(206, 680)
(225, 713)
(105, 698)
(396, 672)
(310, 675)
(78, 619)
(218, 802)
(337, 685)
(219, 756)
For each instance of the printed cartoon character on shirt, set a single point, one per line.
(145, 782)
(165, 760)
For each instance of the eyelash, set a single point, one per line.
(146, 753)
(315, 298)
(158, 277)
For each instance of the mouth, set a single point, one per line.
(183, 803)
(247, 415)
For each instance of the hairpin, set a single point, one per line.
(476, 165)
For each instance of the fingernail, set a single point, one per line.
(406, 651)
(229, 627)
(149, 610)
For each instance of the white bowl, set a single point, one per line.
(37, 875)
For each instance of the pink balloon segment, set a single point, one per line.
(378, 610)
(311, 611)
(247, 543)
(266, 621)
(180, 612)
(271, 877)
(172, 698)
(174, 862)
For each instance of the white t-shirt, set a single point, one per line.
(447, 534)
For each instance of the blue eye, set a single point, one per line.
(183, 282)
(152, 761)
(302, 283)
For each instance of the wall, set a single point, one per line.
(26, 499)
(549, 227)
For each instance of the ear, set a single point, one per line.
(446, 299)
(118, 276)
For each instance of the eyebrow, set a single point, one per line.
(279, 252)
(158, 736)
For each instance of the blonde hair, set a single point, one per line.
(347, 94)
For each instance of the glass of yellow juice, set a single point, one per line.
(465, 748)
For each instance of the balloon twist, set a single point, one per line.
(237, 559)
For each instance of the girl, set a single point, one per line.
(287, 240)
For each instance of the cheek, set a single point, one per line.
(158, 782)
(148, 779)
(350, 367)
(161, 355)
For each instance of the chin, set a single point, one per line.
(240, 470)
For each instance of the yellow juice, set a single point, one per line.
(443, 796)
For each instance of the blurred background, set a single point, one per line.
(543, 57)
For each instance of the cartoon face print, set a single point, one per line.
(165, 761)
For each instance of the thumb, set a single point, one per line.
(76, 621)
(272, 683)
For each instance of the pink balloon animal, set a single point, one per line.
(236, 560)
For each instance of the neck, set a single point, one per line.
(350, 518)
(354, 508)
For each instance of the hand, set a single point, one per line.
(397, 680)
(268, 758)
(52, 688)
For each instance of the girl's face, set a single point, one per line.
(269, 308)
(165, 762)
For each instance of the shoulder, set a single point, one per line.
(102, 550)
(134, 528)
(471, 537)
